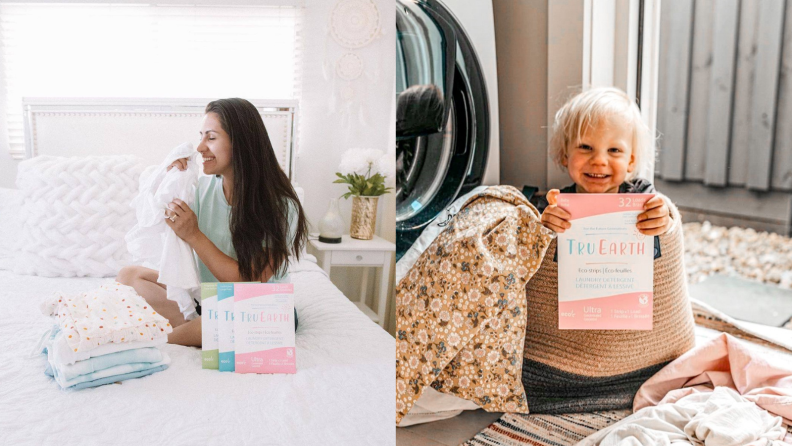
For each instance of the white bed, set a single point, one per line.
(342, 393)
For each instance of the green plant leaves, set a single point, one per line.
(360, 185)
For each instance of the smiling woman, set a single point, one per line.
(247, 218)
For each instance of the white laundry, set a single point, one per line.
(718, 418)
(110, 314)
(153, 242)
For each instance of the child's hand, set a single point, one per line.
(655, 220)
(553, 216)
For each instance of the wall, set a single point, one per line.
(521, 40)
(725, 104)
(326, 132)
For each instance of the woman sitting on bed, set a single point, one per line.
(247, 218)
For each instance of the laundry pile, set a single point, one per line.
(725, 392)
(103, 336)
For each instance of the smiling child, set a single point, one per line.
(600, 139)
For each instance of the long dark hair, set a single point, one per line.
(259, 205)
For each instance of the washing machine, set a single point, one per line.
(447, 108)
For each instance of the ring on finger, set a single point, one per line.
(172, 218)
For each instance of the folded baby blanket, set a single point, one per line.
(118, 378)
(62, 353)
(65, 380)
(110, 314)
(105, 364)
(152, 241)
(68, 372)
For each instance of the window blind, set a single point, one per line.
(143, 50)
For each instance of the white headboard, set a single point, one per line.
(148, 128)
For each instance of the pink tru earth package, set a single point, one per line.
(264, 328)
(605, 266)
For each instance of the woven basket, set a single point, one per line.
(571, 370)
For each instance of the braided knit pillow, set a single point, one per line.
(586, 370)
(75, 213)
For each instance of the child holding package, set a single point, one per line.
(600, 139)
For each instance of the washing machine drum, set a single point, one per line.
(442, 116)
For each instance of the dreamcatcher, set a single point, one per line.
(353, 25)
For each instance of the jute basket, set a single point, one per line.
(615, 362)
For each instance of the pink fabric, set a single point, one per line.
(762, 378)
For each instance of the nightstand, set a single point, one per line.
(377, 253)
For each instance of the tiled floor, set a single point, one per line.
(449, 432)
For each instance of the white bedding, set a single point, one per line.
(342, 393)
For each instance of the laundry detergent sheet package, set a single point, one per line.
(264, 328)
(225, 326)
(605, 266)
(209, 333)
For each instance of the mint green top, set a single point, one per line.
(214, 220)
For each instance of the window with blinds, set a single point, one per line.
(142, 50)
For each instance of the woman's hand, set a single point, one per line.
(180, 164)
(553, 216)
(655, 219)
(182, 220)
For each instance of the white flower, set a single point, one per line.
(386, 166)
(359, 161)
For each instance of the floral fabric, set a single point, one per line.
(461, 310)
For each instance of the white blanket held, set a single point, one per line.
(152, 241)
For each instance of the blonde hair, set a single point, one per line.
(586, 109)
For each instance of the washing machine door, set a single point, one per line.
(425, 55)
(442, 116)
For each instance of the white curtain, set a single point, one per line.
(144, 50)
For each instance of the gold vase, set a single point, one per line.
(364, 217)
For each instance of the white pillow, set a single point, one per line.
(74, 215)
(10, 200)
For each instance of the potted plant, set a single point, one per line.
(365, 171)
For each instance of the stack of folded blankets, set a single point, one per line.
(106, 335)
